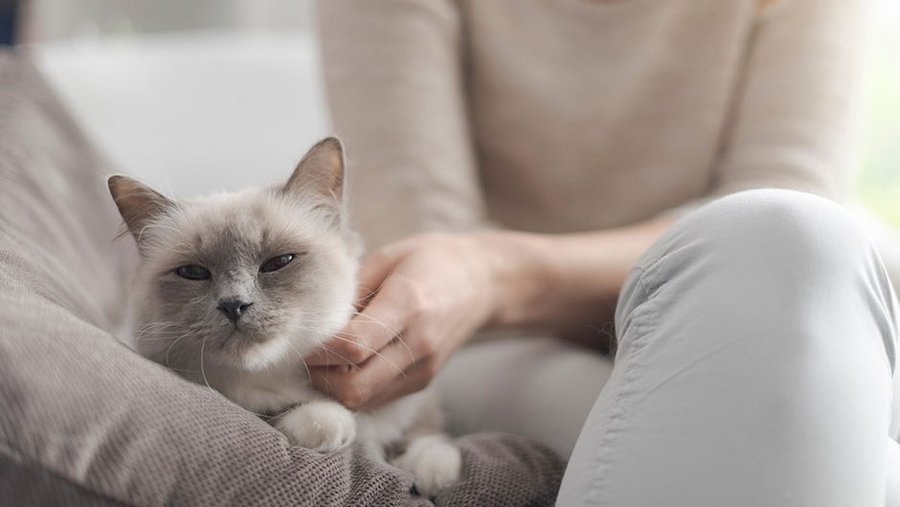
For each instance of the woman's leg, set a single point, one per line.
(893, 472)
(541, 388)
(755, 363)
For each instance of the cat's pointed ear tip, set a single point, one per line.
(114, 182)
(119, 185)
(332, 140)
(117, 179)
(333, 143)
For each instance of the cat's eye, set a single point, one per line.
(276, 263)
(193, 272)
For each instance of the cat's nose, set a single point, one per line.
(233, 308)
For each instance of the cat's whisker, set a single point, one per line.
(183, 370)
(271, 417)
(202, 369)
(302, 361)
(341, 356)
(374, 352)
(174, 330)
(157, 325)
(169, 350)
(171, 345)
(162, 329)
(397, 336)
(372, 292)
(373, 320)
(154, 339)
(412, 356)
(323, 346)
(327, 381)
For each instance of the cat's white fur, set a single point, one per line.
(256, 360)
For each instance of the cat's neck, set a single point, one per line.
(274, 388)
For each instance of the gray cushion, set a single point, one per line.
(84, 420)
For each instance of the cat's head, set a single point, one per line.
(248, 278)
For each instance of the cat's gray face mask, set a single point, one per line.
(247, 277)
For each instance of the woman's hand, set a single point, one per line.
(421, 298)
(425, 296)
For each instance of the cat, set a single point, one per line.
(234, 289)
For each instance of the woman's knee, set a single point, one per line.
(767, 256)
(770, 229)
(799, 230)
(782, 237)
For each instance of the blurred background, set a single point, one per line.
(200, 95)
(878, 184)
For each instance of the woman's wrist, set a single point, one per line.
(518, 267)
(560, 281)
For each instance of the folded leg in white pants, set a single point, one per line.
(755, 367)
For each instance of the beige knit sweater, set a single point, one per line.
(570, 115)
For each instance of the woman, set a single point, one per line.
(563, 150)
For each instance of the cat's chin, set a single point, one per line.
(265, 354)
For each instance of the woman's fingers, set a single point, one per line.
(434, 290)
(373, 272)
(356, 386)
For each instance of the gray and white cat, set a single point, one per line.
(234, 289)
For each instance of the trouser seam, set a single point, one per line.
(618, 410)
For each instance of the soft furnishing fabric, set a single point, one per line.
(86, 421)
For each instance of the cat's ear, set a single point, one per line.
(138, 204)
(320, 175)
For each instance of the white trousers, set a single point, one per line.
(755, 367)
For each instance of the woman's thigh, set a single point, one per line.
(538, 387)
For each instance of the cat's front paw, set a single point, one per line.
(323, 426)
(435, 462)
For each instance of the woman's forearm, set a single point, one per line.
(565, 282)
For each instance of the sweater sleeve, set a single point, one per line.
(793, 119)
(393, 73)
